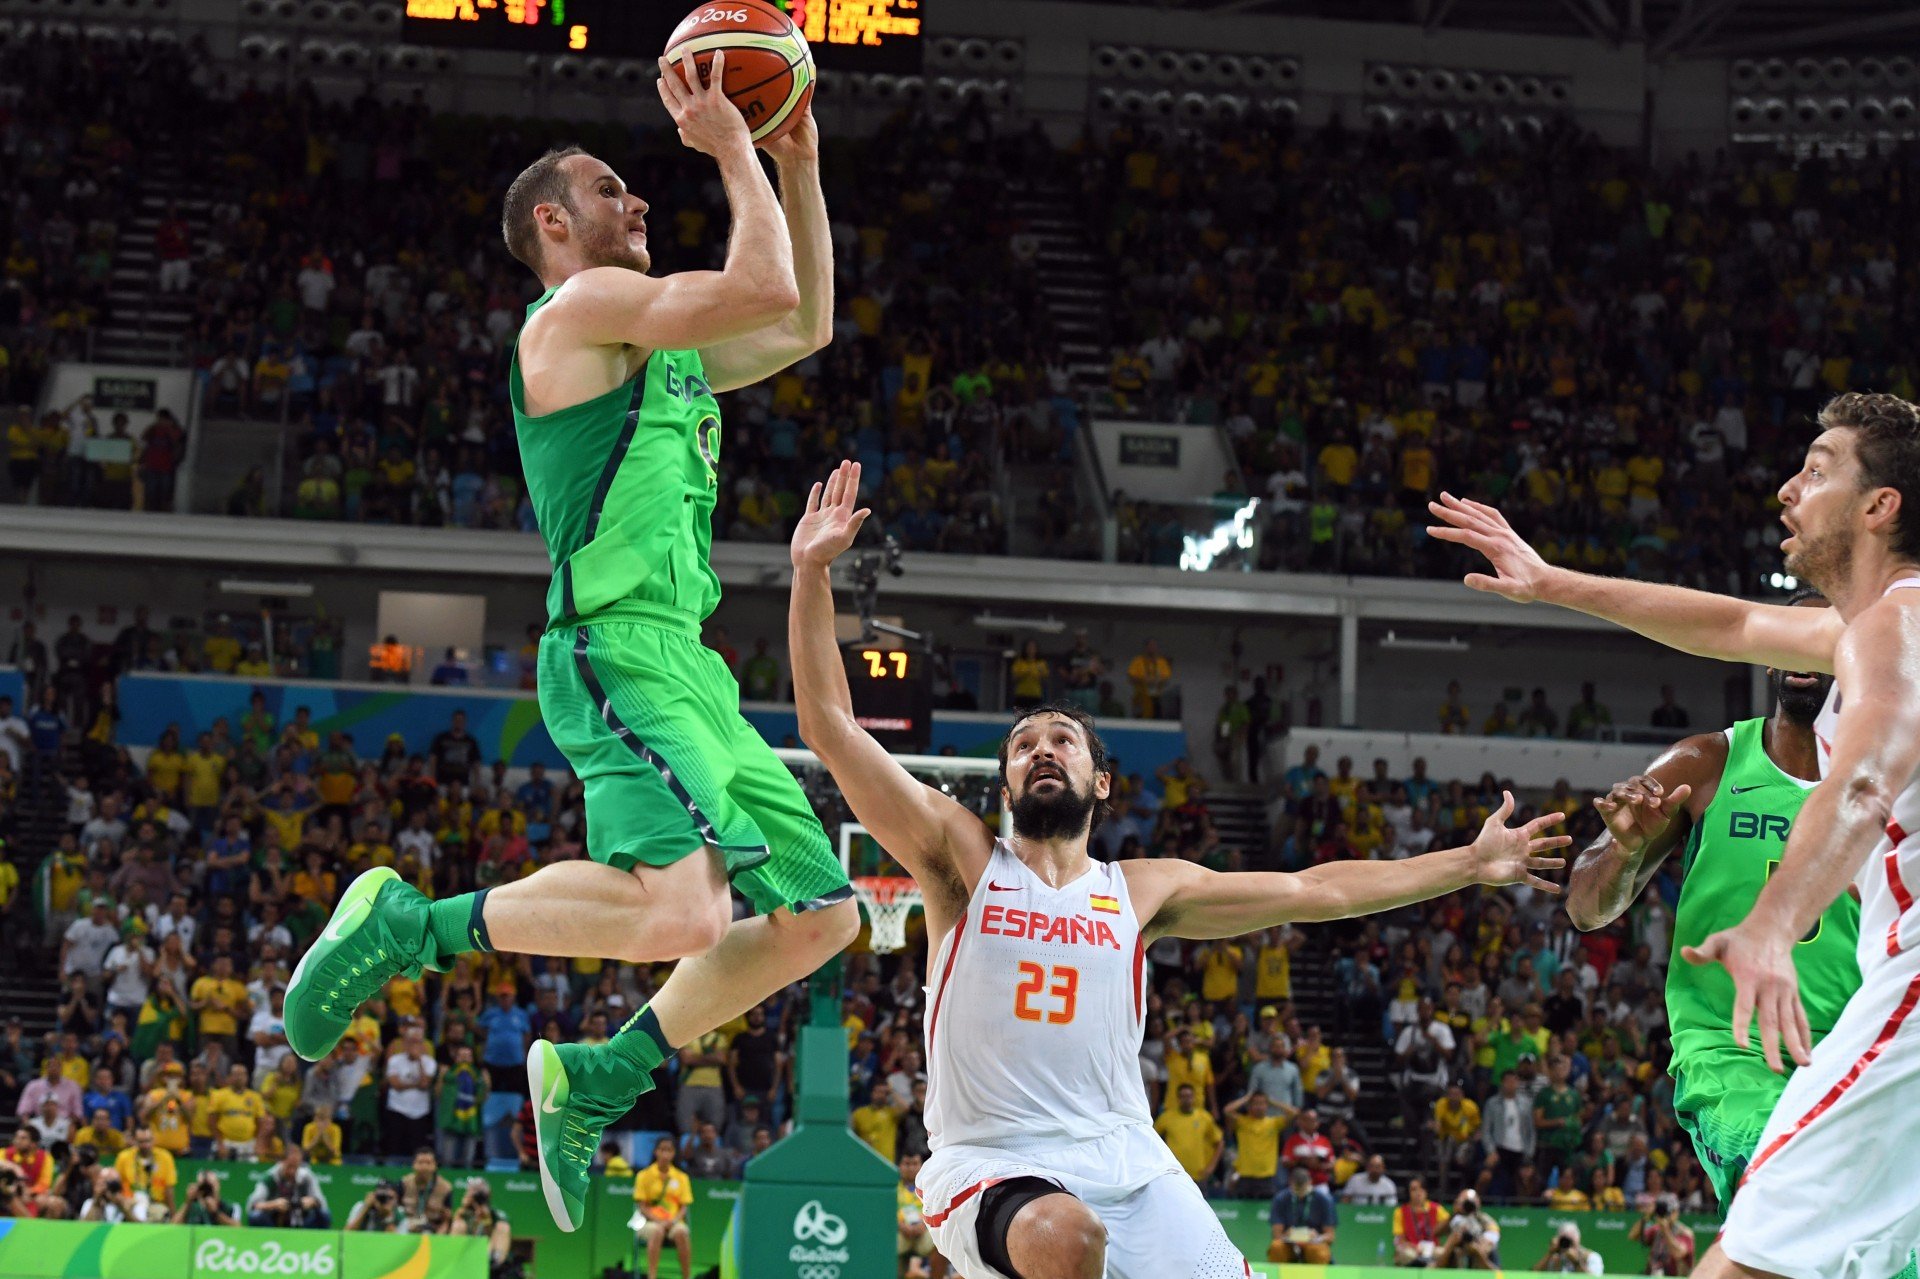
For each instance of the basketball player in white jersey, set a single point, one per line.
(1045, 1164)
(1833, 1191)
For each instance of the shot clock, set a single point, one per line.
(892, 692)
(845, 35)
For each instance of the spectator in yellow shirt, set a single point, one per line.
(878, 1122)
(146, 1166)
(1220, 972)
(1273, 966)
(222, 1003)
(322, 1139)
(1189, 1066)
(1192, 1136)
(166, 764)
(1149, 672)
(220, 650)
(662, 1194)
(1456, 1126)
(1256, 1137)
(1313, 1057)
(102, 1136)
(236, 1112)
(204, 770)
(1338, 461)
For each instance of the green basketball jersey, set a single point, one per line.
(623, 487)
(1730, 854)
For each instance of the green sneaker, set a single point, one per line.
(578, 1089)
(378, 929)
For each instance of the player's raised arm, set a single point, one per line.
(750, 357)
(607, 306)
(1697, 622)
(1876, 751)
(924, 829)
(1182, 899)
(1647, 816)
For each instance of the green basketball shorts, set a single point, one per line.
(649, 718)
(1723, 1099)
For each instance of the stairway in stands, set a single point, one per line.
(1240, 815)
(31, 989)
(1316, 998)
(146, 325)
(1077, 287)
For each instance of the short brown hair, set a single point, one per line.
(1889, 447)
(541, 182)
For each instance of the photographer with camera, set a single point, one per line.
(1567, 1257)
(1472, 1239)
(110, 1201)
(1669, 1240)
(289, 1196)
(477, 1218)
(380, 1212)
(203, 1205)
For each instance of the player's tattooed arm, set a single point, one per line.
(1648, 815)
(1182, 899)
(1697, 622)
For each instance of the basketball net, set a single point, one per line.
(888, 900)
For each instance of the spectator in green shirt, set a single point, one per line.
(760, 675)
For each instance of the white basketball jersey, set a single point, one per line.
(1035, 1012)
(1889, 927)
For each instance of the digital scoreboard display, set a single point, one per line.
(892, 692)
(846, 35)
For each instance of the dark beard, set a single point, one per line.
(1067, 813)
(1823, 563)
(1802, 706)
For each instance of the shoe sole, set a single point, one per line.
(360, 892)
(543, 1062)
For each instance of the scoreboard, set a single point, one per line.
(846, 35)
(892, 694)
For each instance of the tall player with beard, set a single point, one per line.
(612, 385)
(1045, 1164)
(1726, 801)
(1830, 1191)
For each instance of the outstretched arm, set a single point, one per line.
(1697, 622)
(1876, 749)
(1183, 899)
(747, 359)
(1647, 817)
(940, 843)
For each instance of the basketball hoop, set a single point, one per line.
(888, 900)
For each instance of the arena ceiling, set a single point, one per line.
(1670, 28)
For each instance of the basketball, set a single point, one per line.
(769, 72)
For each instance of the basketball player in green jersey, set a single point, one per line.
(613, 384)
(1727, 800)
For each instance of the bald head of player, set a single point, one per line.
(1855, 502)
(568, 211)
(1054, 773)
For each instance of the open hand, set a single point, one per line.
(1518, 570)
(831, 522)
(1639, 810)
(1764, 979)
(1504, 854)
(707, 121)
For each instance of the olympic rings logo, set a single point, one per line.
(816, 1270)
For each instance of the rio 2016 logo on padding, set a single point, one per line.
(814, 1224)
(216, 1256)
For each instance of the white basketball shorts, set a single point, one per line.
(1834, 1188)
(1158, 1225)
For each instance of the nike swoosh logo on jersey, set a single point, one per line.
(1002, 888)
(339, 928)
(1741, 790)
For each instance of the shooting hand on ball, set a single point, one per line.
(707, 121)
(801, 142)
(831, 521)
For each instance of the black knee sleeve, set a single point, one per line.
(998, 1204)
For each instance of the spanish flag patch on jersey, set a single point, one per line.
(1105, 905)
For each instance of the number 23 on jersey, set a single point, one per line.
(1058, 987)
